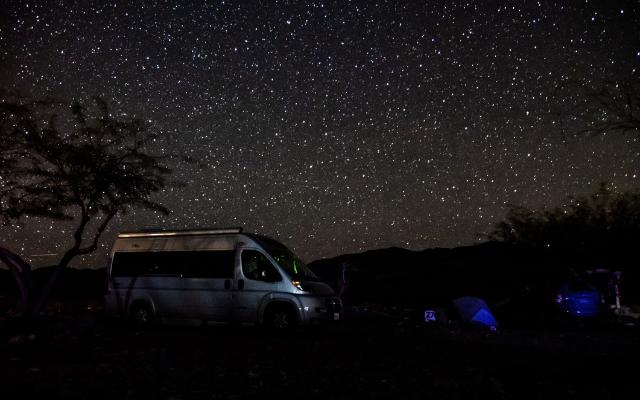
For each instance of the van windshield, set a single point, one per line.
(290, 263)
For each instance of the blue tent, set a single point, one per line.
(474, 309)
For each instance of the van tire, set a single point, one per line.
(141, 314)
(280, 317)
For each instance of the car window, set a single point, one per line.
(256, 266)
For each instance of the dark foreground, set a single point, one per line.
(85, 357)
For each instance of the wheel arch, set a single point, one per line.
(281, 301)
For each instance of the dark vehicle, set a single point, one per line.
(578, 298)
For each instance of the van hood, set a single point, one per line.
(317, 288)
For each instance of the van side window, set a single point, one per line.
(189, 264)
(209, 264)
(257, 267)
(143, 263)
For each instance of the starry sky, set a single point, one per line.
(338, 127)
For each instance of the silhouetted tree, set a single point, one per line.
(84, 167)
(603, 225)
(607, 107)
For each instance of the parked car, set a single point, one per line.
(578, 298)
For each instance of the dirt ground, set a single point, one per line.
(86, 357)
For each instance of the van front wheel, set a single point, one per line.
(280, 318)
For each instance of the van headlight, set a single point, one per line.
(298, 285)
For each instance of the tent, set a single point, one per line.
(475, 310)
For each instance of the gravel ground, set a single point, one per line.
(86, 357)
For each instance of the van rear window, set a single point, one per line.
(188, 264)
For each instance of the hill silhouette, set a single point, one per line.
(514, 281)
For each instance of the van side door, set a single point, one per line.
(207, 278)
(256, 279)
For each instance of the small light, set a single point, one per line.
(297, 285)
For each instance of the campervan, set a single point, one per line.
(214, 275)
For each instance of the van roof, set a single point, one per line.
(186, 232)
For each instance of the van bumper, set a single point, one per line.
(320, 309)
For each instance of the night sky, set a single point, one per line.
(338, 127)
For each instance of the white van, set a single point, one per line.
(217, 275)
